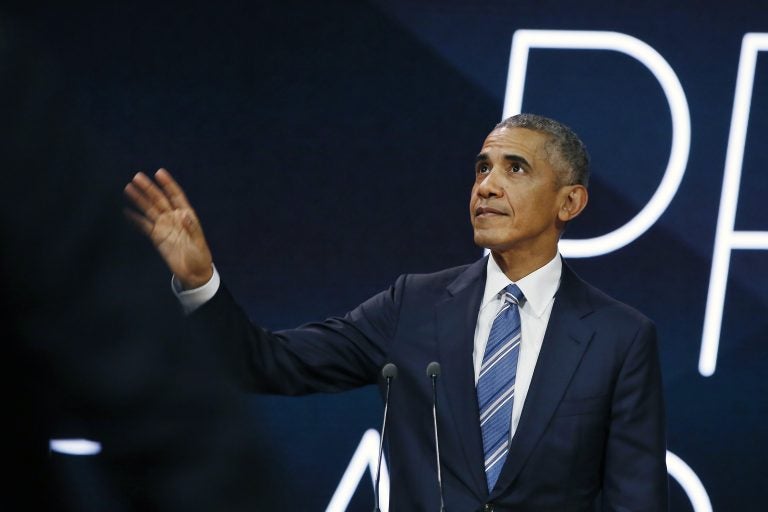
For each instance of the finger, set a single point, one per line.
(152, 192)
(172, 189)
(141, 201)
(141, 222)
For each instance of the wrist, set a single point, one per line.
(195, 280)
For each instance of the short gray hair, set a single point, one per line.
(570, 156)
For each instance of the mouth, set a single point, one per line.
(487, 211)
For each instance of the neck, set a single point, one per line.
(517, 264)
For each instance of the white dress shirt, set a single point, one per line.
(195, 297)
(539, 288)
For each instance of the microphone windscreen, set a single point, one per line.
(389, 371)
(433, 369)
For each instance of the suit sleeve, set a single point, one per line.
(635, 471)
(333, 355)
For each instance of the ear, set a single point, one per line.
(574, 200)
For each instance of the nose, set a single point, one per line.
(490, 186)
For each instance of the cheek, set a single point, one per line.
(473, 195)
(516, 199)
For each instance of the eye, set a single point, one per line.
(515, 168)
(482, 168)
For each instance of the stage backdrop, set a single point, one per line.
(328, 148)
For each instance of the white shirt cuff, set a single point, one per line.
(192, 299)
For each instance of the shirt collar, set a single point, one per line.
(538, 287)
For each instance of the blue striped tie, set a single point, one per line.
(496, 383)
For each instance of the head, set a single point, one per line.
(564, 149)
(530, 180)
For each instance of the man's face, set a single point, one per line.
(516, 198)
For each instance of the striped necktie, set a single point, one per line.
(496, 383)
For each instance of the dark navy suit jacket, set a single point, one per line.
(592, 431)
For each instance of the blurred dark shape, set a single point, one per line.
(94, 344)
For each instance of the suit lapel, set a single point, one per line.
(456, 317)
(567, 338)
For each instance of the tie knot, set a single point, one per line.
(513, 294)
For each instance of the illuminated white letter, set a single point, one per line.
(366, 456)
(690, 483)
(726, 239)
(524, 40)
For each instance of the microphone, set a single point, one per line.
(433, 370)
(389, 372)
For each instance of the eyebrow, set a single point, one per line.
(483, 157)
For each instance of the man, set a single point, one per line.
(551, 396)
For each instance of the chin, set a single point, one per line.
(484, 241)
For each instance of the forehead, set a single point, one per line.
(521, 141)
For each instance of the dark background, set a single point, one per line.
(328, 147)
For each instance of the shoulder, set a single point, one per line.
(620, 335)
(600, 306)
(418, 288)
(440, 278)
(450, 280)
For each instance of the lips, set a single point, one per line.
(487, 211)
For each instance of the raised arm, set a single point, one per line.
(164, 214)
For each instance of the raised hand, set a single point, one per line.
(165, 216)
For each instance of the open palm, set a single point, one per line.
(165, 216)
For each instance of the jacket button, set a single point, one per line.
(488, 507)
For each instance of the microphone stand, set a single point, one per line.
(389, 372)
(433, 370)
